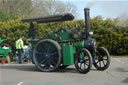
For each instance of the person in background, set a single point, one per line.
(20, 49)
(27, 53)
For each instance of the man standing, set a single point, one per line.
(19, 49)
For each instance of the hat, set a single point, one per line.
(20, 36)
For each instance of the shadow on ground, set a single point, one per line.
(21, 67)
(125, 81)
(119, 69)
(32, 68)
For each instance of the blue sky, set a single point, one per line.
(105, 8)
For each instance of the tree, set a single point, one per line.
(52, 7)
(16, 7)
(32, 8)
(6, 17)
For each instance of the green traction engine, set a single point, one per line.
(63, 48)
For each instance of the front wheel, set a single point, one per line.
(83, 61)
(102, 59)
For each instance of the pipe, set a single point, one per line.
(87, 21)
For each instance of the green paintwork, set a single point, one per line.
(82, 55)
(32, 43)
(68, 54)
(4, 51)
(65, 36)
(53, 36)
(68, 48)
(79, 44)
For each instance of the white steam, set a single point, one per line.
(90, 4)
(116, 8)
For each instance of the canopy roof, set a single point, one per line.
(53, 18)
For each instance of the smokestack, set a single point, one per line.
(87, 21)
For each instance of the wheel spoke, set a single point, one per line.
(43, 61)
(41, 57)
(48, 49)
(52, 62)
(39, 53)
(100, 63)
(80, 65)
(84, 66)
(42, 49)
(53, 53)
(47, 66)
(103, 63)
(105, 59)
(55, 58)
(86, 59)
(97, 61)
(86, 62)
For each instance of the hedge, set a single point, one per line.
(106, 32)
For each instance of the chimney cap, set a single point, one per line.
(86, 8)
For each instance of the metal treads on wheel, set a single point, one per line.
(46, 56)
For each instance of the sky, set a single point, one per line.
(105, 8)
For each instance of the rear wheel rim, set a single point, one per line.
(46, 56)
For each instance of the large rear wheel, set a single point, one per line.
(83, 61)
(47, 55)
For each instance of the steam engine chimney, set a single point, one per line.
(87, 21)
